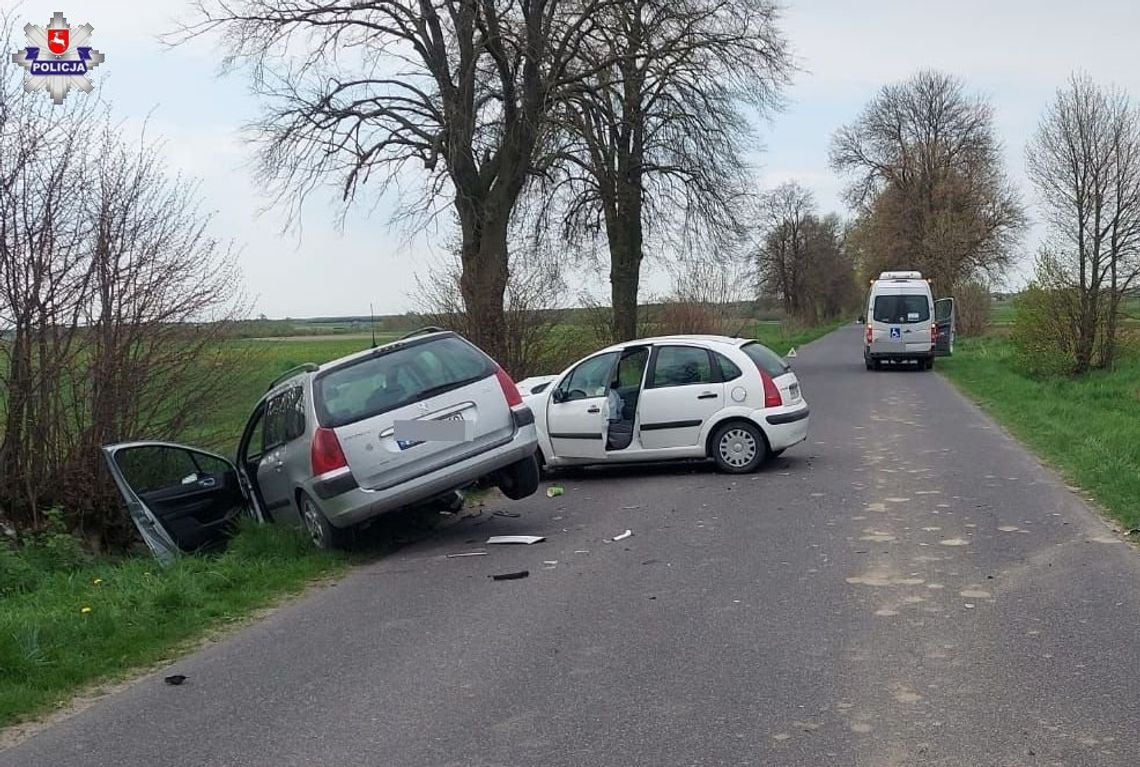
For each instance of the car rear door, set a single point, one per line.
(682, 390)
(945, 319)
(438, 378)
(282, 424)
(180, 498)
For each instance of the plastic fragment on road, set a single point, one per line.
(524, 540)
(622, 536)
(554, 491)
(511, 576)
(467, 554)
(175, 679)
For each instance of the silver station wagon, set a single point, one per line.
(332, 446)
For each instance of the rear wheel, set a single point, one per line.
(739, 448)
(928, 363)
(520, 479)
(321, 532)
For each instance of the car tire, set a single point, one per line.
(520, 479)
(321, 532)
(928, 364)
(739, 447)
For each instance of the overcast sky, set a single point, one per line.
(1016, 52)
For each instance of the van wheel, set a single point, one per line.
(520, 479)
(928, 363)
(739, 448)
(320, 531)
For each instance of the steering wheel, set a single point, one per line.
(576, 394)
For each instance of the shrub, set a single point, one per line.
(17, 575)
(1043, 342)
(53, 548)
(974, 305)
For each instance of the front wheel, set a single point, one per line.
(739, 448)
(321, 532)
(520, 479)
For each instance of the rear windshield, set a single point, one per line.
(765, 359)
(902, 308)
(375, 385)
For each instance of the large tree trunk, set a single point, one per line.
(626, 241)
(484, 279)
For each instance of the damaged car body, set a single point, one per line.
(330, 447)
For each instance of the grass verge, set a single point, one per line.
(64, 629)
(1089, 428)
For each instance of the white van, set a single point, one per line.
(905, 323)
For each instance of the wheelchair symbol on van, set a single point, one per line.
(896, 333)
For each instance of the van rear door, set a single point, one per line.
(440, 389)
(944, 319)
(900, 323)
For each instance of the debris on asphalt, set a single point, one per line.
(467, 554)
(524, 540)
(631, 508)
(554, 491)
(511, 576)
(511, 514)
(622, 536)
(175, 679)
(582, 551)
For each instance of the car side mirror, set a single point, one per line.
(557, 395)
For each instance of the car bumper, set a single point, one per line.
(897, 351)
(785, 427)
(359, 504)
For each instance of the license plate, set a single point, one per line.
(451, 428)
(795, 390)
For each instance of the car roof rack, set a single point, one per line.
(421, 332)
(308, 367)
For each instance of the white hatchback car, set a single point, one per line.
(676, 397)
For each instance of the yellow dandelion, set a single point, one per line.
(85, 609)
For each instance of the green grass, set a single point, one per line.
(781, 338)
(52, 645)
(1088, 428)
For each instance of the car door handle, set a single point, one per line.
(593, 409)
(207, 482)
(707, 395)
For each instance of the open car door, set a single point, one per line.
(944, 320)
(180, 498)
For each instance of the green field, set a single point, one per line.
(1088, 428)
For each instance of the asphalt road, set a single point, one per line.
(908, 587)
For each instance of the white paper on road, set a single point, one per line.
(526, 540)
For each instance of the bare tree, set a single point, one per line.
(1085, 164)
(653, 142)
(105, 303)
(535, 297)
(802, 258)
(781, 256)
(928, 184)
(356, 89)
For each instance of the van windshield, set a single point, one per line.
(902, 308)
(393, 379)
